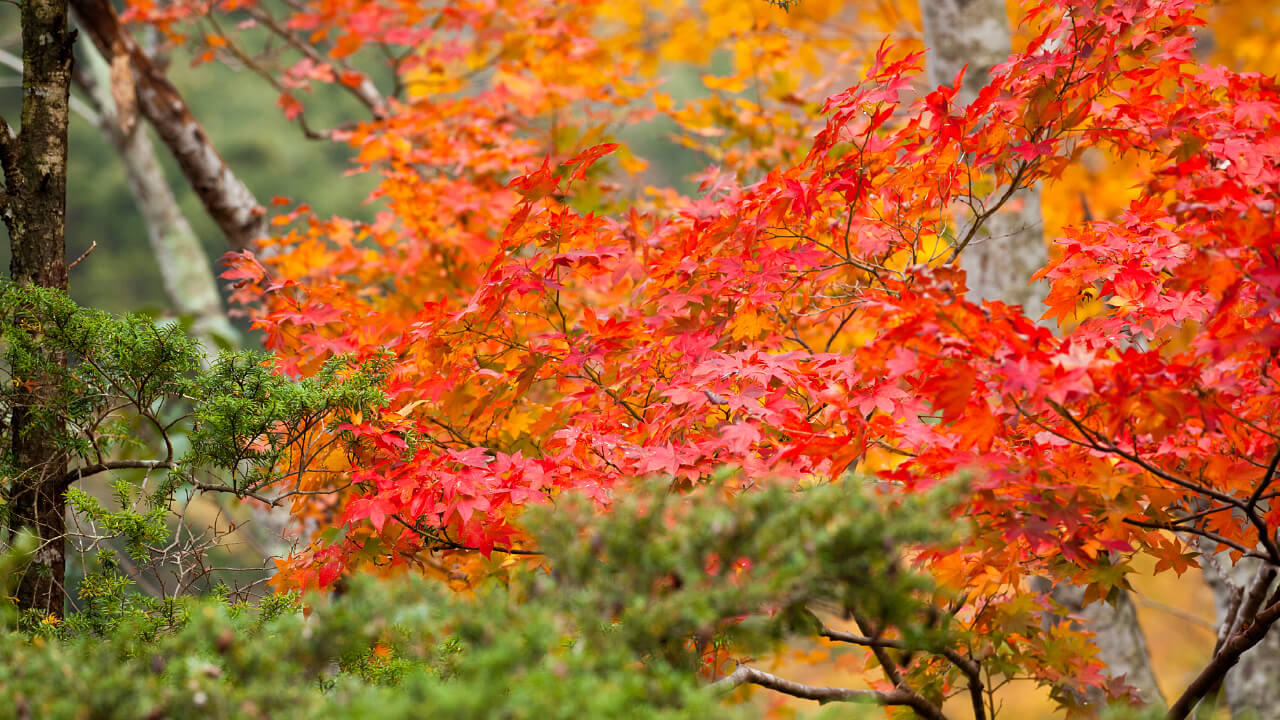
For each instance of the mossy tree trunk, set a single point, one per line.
(34, 207)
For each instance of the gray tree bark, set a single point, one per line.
(189, 282)
(228, 201)
(34, 205)
(1252, 687)
(1121, 643)
(1010, 246)
(999, 264)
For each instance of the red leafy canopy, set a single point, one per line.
(809, 322)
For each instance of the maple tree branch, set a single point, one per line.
(1199, 514)
(1254, 597)
(443, 542)
(1267, 479)
(1235, 597)
(1226, 658)
(594, 377)
(981, 217)
(822, 694)
(365, 91)
(271, 80)
(971, 668)
(1095, 441)
(1152, 525)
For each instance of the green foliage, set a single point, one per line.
(108, 603)
(137, 399)
(245, 413)
(137, 529)
(16, 553)
(248, 414)
(612, 631)
(703, 566)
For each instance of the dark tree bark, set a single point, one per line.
(35, 175)
(1252, 687)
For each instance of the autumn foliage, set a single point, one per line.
(801, 315)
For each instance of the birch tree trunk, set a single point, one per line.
(189, 282)
(1000, 263)
(34, 206)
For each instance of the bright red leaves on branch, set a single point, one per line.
(797, 323)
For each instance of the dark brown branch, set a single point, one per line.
(1226, 658)
(1267, 479)
(898, 697)
(1229, 617)
(1095, 440)
(1196, 531)
(443, 542)
(237, 491)
(881, 652)
(980, 218)
(1253, 598)
(9, 159)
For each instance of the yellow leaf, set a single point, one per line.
(747, 325)
(726, 84)
(408, 408)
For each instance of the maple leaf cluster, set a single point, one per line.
(803, 315)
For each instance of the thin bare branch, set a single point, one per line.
(822, 694)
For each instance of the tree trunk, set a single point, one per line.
(1252, 687)
(1000, 263)
(35, 172)
(1121, 643)
(1010, 246)
(189, 282)
(228, 201)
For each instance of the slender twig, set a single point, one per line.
(83, 255)
(1267, 479)
(89, 470)
(237, 491)
(1196, 531)
(364, 91)
(971, 668)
